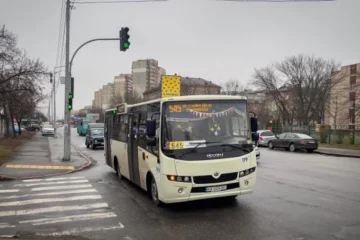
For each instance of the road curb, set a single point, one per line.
(337, 155)
(88, 164)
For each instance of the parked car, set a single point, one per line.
(264, 137)
(47, 130)
(294, 141)
(94, 138)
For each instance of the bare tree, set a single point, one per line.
(306, 82)
(134, 97)
(20, 78)
(116, 100)
(232, 87)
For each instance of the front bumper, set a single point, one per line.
(169, 191)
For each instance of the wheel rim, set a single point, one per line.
(270, 145)
(154, 191)
(292, 147)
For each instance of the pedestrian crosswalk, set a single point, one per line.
(58, 206)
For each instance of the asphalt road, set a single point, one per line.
(299, 196)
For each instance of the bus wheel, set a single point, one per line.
(154, 193)
(118, 173)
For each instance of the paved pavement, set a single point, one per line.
(299, 196)
(41, 156)
(339, 152)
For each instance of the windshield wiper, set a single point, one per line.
(192, 149)
(241, 147)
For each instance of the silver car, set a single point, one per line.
(265, 136)
(47, 130)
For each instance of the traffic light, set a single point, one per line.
(70, 104)
(124, 39)
(114, 111)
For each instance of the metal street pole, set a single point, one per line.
(67, 114)
(54, 105)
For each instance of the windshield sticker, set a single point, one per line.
(185, 144)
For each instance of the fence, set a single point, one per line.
(332, 135)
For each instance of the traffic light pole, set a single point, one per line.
(85, 43)
(67, 113)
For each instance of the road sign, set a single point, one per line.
(170, 86)
(94, 116)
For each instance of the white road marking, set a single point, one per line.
(76, 231)
(50, 193)
(52, 209)
(49, 183)
(6, 225)
(72, 218)
(49, 200)
(9, 190)
(7, 236)
(51, 179)
(60, 187)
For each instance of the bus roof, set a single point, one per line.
(187, 98)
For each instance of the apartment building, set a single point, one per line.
(97, 103)
(107, 95)
(161, 71)
(344, 101)
(123, 85)
(145, 75)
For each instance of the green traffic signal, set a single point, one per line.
(114, 111)
(69, 107)
(126, 45)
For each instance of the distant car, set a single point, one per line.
(47, 130)
(264, 137)
(94, 138)
(294, 141)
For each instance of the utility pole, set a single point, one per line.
(67, 113)
(52, 80)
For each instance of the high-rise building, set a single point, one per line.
(98, 99)
(145, 75)
(161, 71)
(123, 85)
(107, 95)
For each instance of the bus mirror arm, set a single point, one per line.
(150, 141)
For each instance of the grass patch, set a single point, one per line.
(9, 145)
(342, 146)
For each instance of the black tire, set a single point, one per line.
(87, 145)
(118, 173)
(154, 193)
(310, 150)
(292, 147)
(92, 145)
(270, 145)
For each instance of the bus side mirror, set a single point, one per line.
(151, 128)
(253, 124)
(150, 141)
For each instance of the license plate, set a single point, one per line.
(215, 189)
(311, 142)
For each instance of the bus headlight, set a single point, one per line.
(174, 178)
(247, 172)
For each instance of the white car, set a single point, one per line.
(257, 150)
(47, 130)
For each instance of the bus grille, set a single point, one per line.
(226, 177)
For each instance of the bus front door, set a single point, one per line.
(107, 141)
(133, 149)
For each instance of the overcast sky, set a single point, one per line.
(210, 39)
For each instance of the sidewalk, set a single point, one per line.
(40, 157)
(339, 152)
